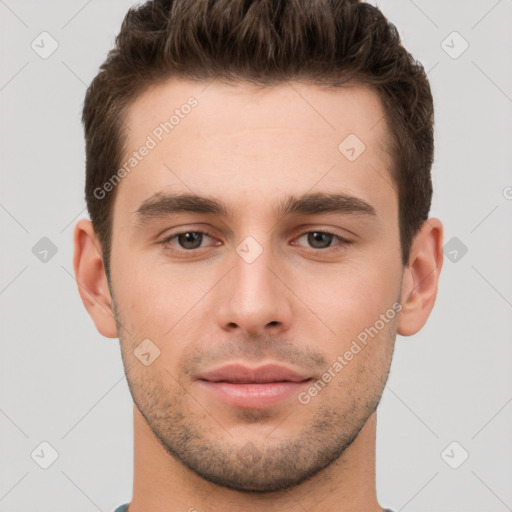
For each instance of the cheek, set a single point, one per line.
(350, 301)
(158, 302)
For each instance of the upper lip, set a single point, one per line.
(238, 373)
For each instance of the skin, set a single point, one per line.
(299, 303)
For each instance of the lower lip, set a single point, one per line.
(254, 396)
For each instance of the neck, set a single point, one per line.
(162, 484)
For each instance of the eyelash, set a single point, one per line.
(342, 241)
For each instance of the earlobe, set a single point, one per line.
(421, 277)
(91, 278)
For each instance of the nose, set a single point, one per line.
(255, 297)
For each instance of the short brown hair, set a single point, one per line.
(325, 42)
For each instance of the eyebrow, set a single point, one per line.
(161, 205)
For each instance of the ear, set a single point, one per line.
(421, 277)
(92, 280)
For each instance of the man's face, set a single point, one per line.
(262, 285)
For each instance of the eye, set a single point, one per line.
(186, 240)
(323, 239)
(190, 241)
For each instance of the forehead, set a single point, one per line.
(251, 145)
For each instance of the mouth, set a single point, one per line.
(253, 388)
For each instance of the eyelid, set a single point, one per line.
(339, 232)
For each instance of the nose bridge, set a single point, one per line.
(253, 298)
(252, 270)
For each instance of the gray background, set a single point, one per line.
(63, 383)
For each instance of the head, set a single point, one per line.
(278, 214)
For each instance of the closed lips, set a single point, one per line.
(239, 374)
